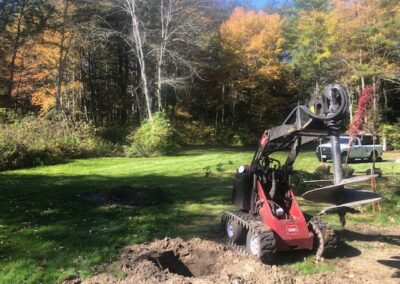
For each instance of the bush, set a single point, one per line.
(31, 141)
(240, 137)
(153, 138)
(392, 133)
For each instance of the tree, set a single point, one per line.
(163, 35)
(313, 48)
(252, 43)
(36, 75)
(369, 43)
(136, 40)
(183, 24)
(252, 50)
(20, 20)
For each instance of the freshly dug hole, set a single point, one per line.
(198, 263)
(168, 260)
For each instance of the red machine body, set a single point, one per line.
(291, 230)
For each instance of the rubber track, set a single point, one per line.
(327, 240)
(253, 224)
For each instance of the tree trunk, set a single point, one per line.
(61, 61)
(385, 98)
(137, 39)
(159, 84)
(15, 52)
(160, 57)
(362, 77)
(223, 104)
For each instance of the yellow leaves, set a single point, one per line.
(253, 42)
(366, 32)
(182, 113)
(36, 71)
(317, 32)
(76, 85)
(44, 98)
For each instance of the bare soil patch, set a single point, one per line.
(193, 261)
(129, 196)
(367, 256)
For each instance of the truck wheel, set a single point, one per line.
(371, 157)
(345, 159)
(235, 232)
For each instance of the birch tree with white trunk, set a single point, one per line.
(137, 39)
(182, 22)
(163, 35)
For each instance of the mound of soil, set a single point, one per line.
(129, 196)
(370, 255)
(193, 261)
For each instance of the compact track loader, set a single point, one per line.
(269, 218)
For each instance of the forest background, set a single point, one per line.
(83, 78)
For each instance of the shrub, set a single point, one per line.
(31, 141)
(392, 133)
(153, 138)
(240, 137)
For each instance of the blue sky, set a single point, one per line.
(259, 3)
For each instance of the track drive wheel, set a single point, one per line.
(235, 233)
(325, 240)
(261, 245)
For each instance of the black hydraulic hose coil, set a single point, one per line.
(331, 115)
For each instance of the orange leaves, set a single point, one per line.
(44, 98)
(36, 74)
(253, 42)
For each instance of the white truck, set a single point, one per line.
(360, 147)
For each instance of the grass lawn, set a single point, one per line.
(50, 230)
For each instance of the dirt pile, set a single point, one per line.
(368, 255)
(194, 261)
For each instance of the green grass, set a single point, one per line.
(308, 266)
(49, 232)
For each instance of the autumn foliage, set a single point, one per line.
(221, 72)
(365, 98)
(36, 72)
(253, 43)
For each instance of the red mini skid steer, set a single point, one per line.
(270, 219)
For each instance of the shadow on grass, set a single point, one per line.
(37, 165)
(292, 257)
(49, 231)
(345, 250)
(369, 237)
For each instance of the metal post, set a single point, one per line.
(337, 159)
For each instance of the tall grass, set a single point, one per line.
(31, 140)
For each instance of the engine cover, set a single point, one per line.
(241, 194)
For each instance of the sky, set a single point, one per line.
(259, 3)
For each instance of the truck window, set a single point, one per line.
(344, 140)
(369, 140)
